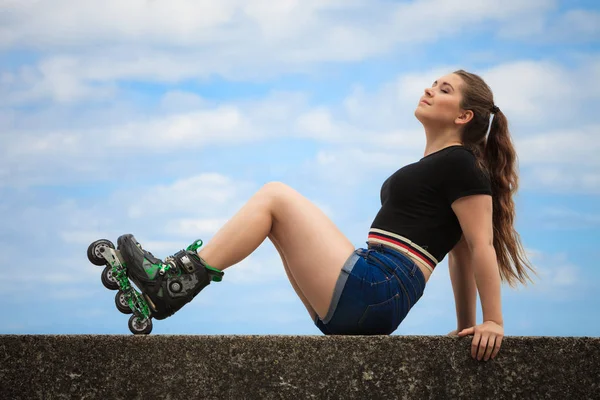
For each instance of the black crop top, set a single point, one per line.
(416, 199)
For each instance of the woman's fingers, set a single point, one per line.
(482, 347)
(487, 339)
(467, 331)
(475, 344)
(497, 346)
(490, 348)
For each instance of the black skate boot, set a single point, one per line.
(170, 284)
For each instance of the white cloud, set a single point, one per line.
(391, 105)
(565, 218)
(319, 124)
(71, 293)
(205, 196)
(574, 147)
(80, 237)
(453, 16)
(68, 23)
(53, 79)
(58, 276)
(538, 91)
(574, 25)
(364, 125)
(91, 46)
(348, 166)
(580, 24)
(277, 295)
(270, 311)
(223, 124)
(257, 268)
(559, 179)
(161, 222)
(178, 101)
(161, 216)
(556, 276)
(189, 227)
(557, 279)
(187, 196)
(560, 161)
(42, 154)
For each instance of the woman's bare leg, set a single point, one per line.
(311, 311)
(312, 246)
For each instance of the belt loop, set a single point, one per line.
(413, 270)
(366, 252)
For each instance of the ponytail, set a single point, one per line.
(496, 155)
(500, 158)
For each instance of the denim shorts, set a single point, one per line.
(376, 288)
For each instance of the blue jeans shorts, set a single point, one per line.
(376, 288)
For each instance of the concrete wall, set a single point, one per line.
(294, 367)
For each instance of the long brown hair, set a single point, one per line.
(497, 157)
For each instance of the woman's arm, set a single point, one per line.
(463, 285)
(474, 214)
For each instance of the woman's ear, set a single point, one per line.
(464, 117)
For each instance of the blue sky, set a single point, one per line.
(162, 118)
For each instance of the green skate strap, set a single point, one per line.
(215, 274)
(195, 246)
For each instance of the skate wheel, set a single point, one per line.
(108, 280)
(122, 303)
(137, 326)
(95, 250)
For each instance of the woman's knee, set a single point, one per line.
(275, 187)
(275, 191)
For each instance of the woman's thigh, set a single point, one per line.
(313, 246)
(307, 305)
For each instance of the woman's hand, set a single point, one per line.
(486, 340)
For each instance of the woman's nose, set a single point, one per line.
(428, 92)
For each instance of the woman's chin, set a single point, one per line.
(419, 114)
(427, 119)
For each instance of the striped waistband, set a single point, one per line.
(401, 244)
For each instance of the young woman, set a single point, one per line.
(456, 200)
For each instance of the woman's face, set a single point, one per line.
(440, 103)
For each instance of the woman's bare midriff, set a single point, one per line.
(419, 263)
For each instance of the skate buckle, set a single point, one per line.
(167, 266)
(187, 264)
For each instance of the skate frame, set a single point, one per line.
(136, 301)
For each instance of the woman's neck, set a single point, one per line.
(439, 141)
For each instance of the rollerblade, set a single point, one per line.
(165, 286)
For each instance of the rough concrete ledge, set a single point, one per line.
(298, 367)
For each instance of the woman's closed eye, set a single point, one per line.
(443, 90)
